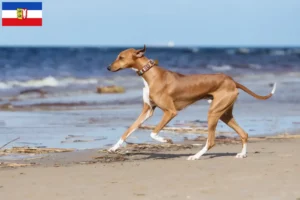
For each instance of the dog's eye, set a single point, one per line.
(121, 57)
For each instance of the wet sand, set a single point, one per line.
(271, 171)
(101, 127)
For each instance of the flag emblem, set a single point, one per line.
(22, 14)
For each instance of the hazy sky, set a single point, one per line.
(156, 22)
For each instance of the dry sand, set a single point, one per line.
(271, 171)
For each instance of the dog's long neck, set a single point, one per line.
(149, 75)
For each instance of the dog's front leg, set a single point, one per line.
(146, 113)
(167, 117)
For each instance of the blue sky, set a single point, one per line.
(157, 22)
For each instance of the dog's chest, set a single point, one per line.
(146, 93)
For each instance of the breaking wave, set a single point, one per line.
(221, 68)
(47, 82)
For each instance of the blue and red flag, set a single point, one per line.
(22, 14)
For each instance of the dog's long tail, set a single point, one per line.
(256, 95)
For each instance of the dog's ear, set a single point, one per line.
(140, 53)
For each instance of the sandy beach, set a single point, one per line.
(271, 171)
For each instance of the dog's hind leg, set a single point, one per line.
(210, 142)
(219, 106)
(228, 119)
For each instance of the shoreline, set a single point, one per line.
(100, 127)
(30, 156)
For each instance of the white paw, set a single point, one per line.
(163, 140)
(160, 139)
(241, 155)
(113, 149)
(193, 157)
(116, 146)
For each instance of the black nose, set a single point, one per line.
(108, 68)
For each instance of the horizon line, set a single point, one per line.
(150, 46)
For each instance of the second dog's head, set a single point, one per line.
(127, 59)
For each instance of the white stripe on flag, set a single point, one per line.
(13, 14)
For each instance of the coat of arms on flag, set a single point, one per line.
(22, 14)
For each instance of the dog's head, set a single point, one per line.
(126, 59)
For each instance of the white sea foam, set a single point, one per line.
(254, 66)
(48, 82)
(278, 52)
(221, 68)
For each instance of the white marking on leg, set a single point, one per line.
(209, 100)
(158, 138)
(200, 153)
(243, 153)
(117, 145)
(274, 88)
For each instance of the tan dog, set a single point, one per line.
(172, 92)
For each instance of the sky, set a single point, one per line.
(161, 22)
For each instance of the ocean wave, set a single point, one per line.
(47, 82)
(221, 68)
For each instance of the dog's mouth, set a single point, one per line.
(116, 70)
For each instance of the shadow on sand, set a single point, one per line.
(162, 156)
